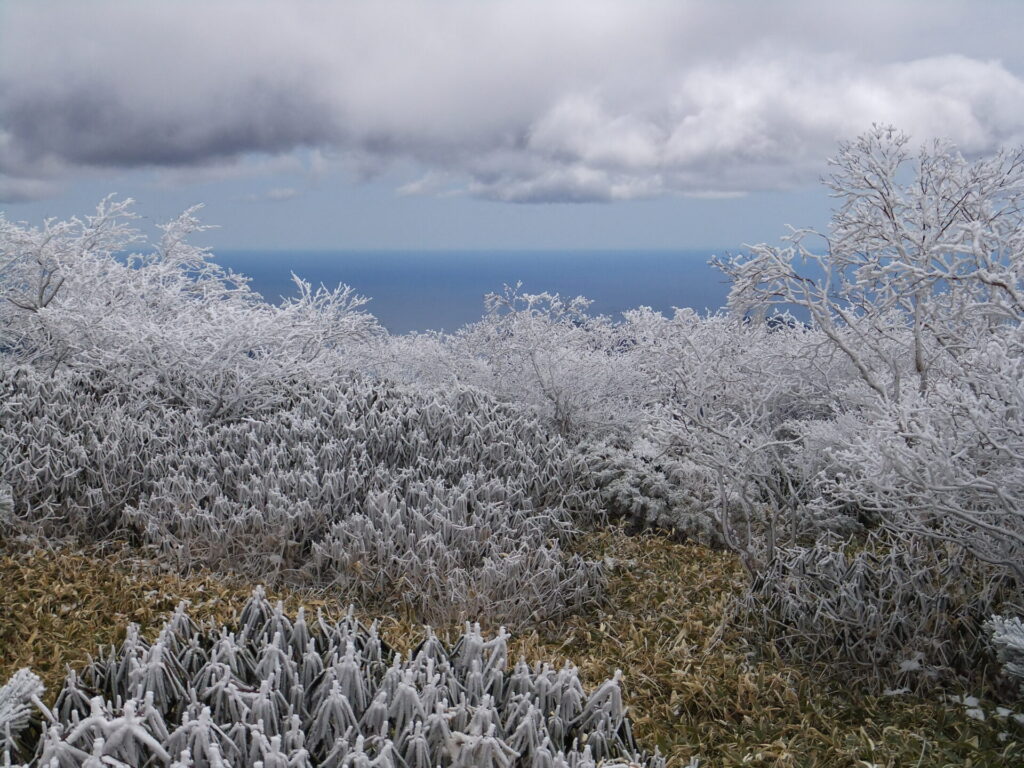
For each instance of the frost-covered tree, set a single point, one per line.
(919, 284)
(922, 262)
(916, 290)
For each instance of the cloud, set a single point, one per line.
(430, 183)
(274, 195)
(242, 167)
(520, 102)
(16, 190)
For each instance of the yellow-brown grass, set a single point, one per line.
(694, 686)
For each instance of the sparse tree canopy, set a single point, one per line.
(932, 245)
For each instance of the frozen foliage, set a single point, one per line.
(729, 394)
(450, 504)
(919, 285)
(918, 288)
(684, 417)
(1006, 633)
(19, 706)
(167, 319)
(541, 350)
(947, 463)
(284, 692)
(890, 609)
(651, 488)
(866, 461)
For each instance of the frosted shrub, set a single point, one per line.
(505, 562)
(946, 463)
(568, 362)
(20, 709)
(726, 396)
(301, 691)
(540, 350)
(885, 608)
(646, 486)
(918, 285)
(686, 420)
(434, 359)
(167, 319)
(1006, 634)
(451, 504)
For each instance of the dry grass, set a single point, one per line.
(693, 684)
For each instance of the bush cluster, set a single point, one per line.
(291, 692)
(862, 392)
(905, 613)
(450, 504)
(853, 426)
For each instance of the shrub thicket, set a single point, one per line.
(450, 504)
(299, 692)
(871, 442)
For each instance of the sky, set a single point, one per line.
(449, 124)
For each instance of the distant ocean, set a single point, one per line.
(444, 290)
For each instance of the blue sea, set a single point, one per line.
(444, 290)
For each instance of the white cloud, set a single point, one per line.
(273, 195)
(525, 102)
(19, 190)
(237, 168)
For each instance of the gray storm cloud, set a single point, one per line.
(525, 102)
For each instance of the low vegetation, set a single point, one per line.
(693, 684)
(835, 465)
(450, 504)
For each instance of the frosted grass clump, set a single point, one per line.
(298, 692)
(19, 703)
(651, 489)
(1006, 634)
(907, 610)
(448, 503)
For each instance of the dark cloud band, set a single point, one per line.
(587, 102)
